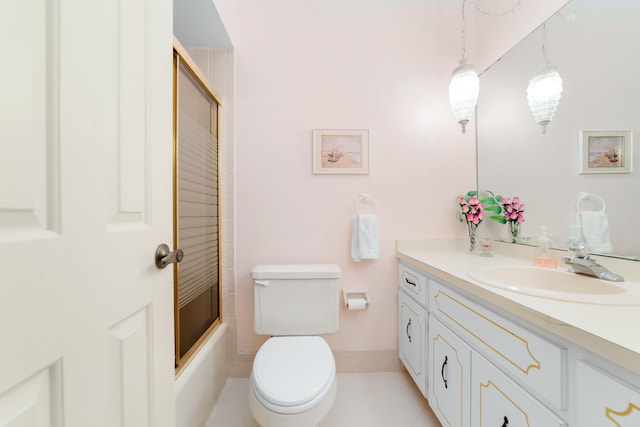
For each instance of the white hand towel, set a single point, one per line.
(365, 238)
(595, 230)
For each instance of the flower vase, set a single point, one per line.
(514, 231)
(472, 235)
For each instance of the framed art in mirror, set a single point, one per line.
(340, 151)
(605, 152)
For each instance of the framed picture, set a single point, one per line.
(340, 151)
(605, 152)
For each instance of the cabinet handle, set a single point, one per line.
(410, 282)
(408, 334)
(506, 422)
(442, 372)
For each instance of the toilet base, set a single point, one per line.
(320, 415)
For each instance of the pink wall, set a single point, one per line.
(383, 66)
(338, 64)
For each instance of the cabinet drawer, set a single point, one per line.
(414, 283)
(412, 339)
(449, 376)
(535, 362)
(498, 401)
(603, 401)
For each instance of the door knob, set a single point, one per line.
(165, 257)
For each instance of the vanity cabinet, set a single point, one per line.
(413, 324)
(499, 348)
(603, 400)
(476, 367)
(533, 361)
(493, 368)
(498, 401)
(449, 376)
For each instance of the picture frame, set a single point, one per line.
(337, 151)
(605, 152)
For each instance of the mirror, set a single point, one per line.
(593, 43)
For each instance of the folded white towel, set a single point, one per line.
(365, 238)
(595, 230)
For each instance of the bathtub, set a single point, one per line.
(200, 384)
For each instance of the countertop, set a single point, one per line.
(612, 332)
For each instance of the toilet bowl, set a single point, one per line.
(293, 382)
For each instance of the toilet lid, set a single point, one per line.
(292, 371)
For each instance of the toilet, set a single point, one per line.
(293, 381)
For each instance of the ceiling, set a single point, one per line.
(196, 23)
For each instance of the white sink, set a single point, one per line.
(557, 284)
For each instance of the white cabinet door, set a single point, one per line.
(86, 318)
(412, 339)
(498, 401)
(449, 376)
(604, 401)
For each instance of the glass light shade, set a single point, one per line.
(543, 94)
(463, 93)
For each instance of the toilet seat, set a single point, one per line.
(292, 374)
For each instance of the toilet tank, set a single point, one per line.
(296, 299)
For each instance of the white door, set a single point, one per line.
(86, 318)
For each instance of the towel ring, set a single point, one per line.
(586, 196)
(365, 198)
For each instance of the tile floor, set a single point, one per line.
(381, 399)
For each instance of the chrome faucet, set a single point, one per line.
(582, 263)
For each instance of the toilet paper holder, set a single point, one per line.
(355, 296)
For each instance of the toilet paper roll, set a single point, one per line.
(356, 304)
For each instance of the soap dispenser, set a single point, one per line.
(544, 257)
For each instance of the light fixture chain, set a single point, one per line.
(463, 34)
(499, 14)
(544, 43)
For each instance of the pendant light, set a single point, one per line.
(545, 89)
(464, 86)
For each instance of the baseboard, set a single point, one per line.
(367, 361)
(240, 365)
(346, 362)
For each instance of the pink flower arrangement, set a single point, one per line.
(512, 209)
(472, 209)
(472, 213)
